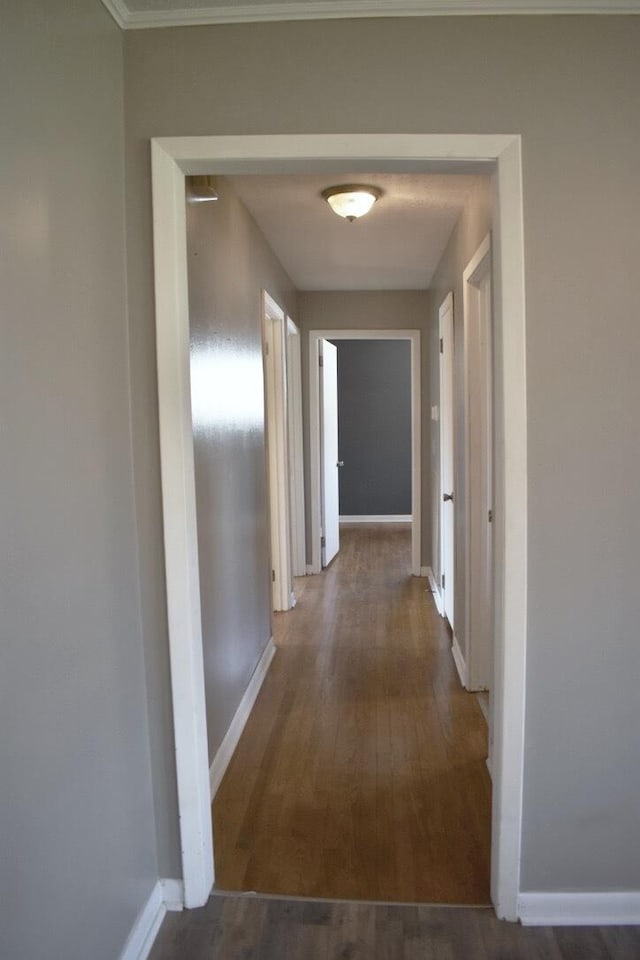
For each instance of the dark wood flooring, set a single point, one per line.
(255, 928)
(361, 773)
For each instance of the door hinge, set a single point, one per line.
(266, 348)
(273, 576)
(323, 541)
(490, 516)
(321, 361)
(442, 579)
(441, 344)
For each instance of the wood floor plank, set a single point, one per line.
(237, 927)
(361, 773)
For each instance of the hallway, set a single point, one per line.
(361, 773)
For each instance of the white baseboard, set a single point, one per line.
(227, 747)
(311, 570)
(377, 518)
(459, 661)
(173, 894)
(579, 909)
(435, 589)
(166, 895)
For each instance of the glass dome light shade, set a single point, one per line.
(351, 200)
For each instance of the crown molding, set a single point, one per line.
(118, 11)
(248, 12)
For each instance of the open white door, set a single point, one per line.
(447, 502)
(478, 365)
(328, 359)
(296, 463)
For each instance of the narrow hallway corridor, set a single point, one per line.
(361, 772)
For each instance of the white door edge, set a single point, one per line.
(274, 340)
(476, 270)
(447, 421)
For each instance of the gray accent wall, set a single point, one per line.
(374, 426)
(569, 87)
(472, 227)
(368, 310)
(77, 832)
(229, 263)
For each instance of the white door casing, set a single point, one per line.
(296, 455)
(330, 514)
(314, 434)
(274, 341)
(478, 418)
(447, 485)
(173, 158)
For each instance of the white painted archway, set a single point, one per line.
(172, 160)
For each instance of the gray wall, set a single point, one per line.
(569, 86)
(77, 832)
(374, 426)
(471, 229)
(229, 264)
(369, 310)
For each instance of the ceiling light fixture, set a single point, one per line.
(351, 200)
(201, 189)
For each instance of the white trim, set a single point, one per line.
(180, 527)
(447, 456)
(579, 909)
(166, 895)
(119, 11)
(435, 589)
(376, 518)
(172, 894)
(478, 460)
(314, 432)
(232, 736)
(146, 926)
(510, 533)
(461, 666)
(284, 153)
(296, 448)
(339, 9)
(309, 571)
(276, 436)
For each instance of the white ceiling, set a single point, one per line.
(137, 14)
(396, 246)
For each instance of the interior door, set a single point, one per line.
(447, 493)
(328, 357)
(479, 413)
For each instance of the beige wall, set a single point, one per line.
(569, 86)
(77, 830)
(229, 265)
(368, 310)
(470, 230)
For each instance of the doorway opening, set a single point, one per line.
(172, 159)
(316, 417)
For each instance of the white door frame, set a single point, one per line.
(296, 450)
(174, 157)
(478, 534)
(446, 369)
(314, 433)
(274, 355)
(327, 434)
